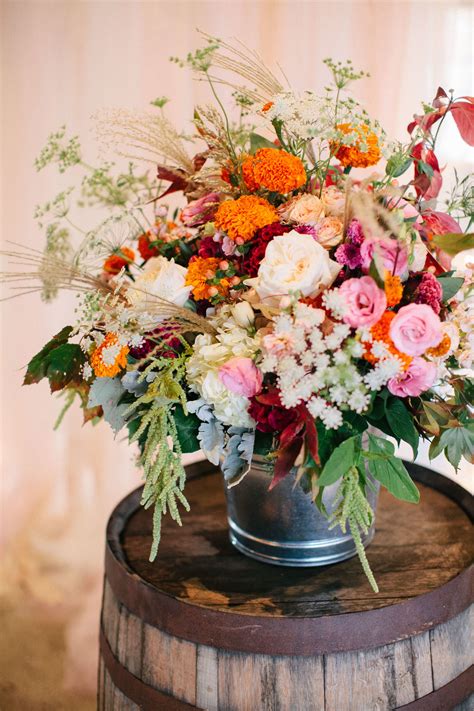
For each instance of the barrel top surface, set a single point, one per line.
(416, 550)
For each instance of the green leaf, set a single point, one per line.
(187, 427)
(395, 167)
(344, 457)
(450, 286)
(458, 442)
(38, 365)
(390, 471)
(64, 364)
(375, 273)
(454, 243)
(401, 423)
(425, 168)
(257, 142)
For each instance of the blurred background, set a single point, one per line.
(63, 60)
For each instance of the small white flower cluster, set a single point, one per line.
(313, 360)
(307, 116)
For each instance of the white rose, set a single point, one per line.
(161, 278)
(293, 262)
(304, 209)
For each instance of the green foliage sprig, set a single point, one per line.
(157, 434)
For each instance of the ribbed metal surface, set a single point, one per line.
(283, 526)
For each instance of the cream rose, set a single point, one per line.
(304, 209)
(161, 278)
(334, 201)
(293, 262)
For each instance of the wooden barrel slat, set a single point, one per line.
(204, 627)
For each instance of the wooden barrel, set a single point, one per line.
(205, 627)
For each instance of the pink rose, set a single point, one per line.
(366, 301)
(392, 255)
(198, 212)
(419, 377)
(241, 376)
(416, 328)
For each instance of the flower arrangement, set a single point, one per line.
(289, 303)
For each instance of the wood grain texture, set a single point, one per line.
(446, 641)
(199, 565)
(199, 569)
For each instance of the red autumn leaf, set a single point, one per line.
(290, 432)
(199, 160)
(285, 461)
(463, 113)
(175, 176)
(271, 398)
(438, 100)
(425, 185)
(426, 121)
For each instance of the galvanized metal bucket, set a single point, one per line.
(283, 526)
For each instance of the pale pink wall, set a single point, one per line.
(63, 60)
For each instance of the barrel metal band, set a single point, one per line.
(447, 696)
(150, 699)
(145, 696)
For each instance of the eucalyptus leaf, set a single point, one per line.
(106, 393)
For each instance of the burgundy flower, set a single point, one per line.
(251, 261)
(429, 292)
(270, 418)
(160, 338)
(349, 255)
(209, 248)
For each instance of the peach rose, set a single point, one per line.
(303, 209)
(329, 231)
(334, 201)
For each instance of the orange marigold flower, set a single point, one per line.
(241, 218)
(200, 271)
(381, 332)
(274, 170)
(441, 349)
(393, 289)
(353, 155)
(119, 260)
(110, 357)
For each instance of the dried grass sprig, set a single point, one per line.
(248, 65)
(374, 217)
(70, 277)
(144, 136)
